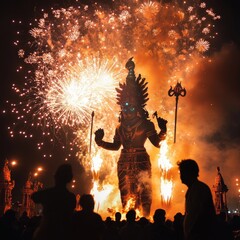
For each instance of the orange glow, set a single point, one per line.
(166, 184)
(166, 190)
(80, 70)
(39, 169)
(96, 163)
(13, 163)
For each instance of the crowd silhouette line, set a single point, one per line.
(61, 220)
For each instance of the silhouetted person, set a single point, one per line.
(131, 230)
(118, 217)
(23, 220)
(235, 223)
(200, 217)
(224, 230)
(58, 207)
(32, 225)
(178, 226)
(111, 232)
(87, 224)
(158, 229)
(9, 226)
(143, 222)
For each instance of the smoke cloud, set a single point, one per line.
(208, 123)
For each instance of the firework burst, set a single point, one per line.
(81, 90)
(76, 57)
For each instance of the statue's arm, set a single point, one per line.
(115, 145)
(154, 137)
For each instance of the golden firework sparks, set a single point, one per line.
(74, 60)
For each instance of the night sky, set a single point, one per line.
(226, 50)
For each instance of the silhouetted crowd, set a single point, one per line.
(89, 225)
(61, 221)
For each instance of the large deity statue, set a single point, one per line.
(134, 166)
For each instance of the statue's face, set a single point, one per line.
(129, 111)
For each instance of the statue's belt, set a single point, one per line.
(133, 150)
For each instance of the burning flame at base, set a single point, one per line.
(102, 191)
(166, 184)
(166, 190)
(72, 51)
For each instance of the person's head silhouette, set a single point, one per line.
(87, 202)
(118, 216)
(189, 171)
(159, 215)
(63, 175)
(131, 215)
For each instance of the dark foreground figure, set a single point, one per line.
(200, 217)
(87, 224)
(58, 207)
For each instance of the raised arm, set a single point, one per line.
(155, 138)
(115, 145)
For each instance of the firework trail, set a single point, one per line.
(78, 55)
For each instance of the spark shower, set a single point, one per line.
(75, 59)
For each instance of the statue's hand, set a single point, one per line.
(99, 134)
(162, 123)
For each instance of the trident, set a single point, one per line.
(176, 91)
